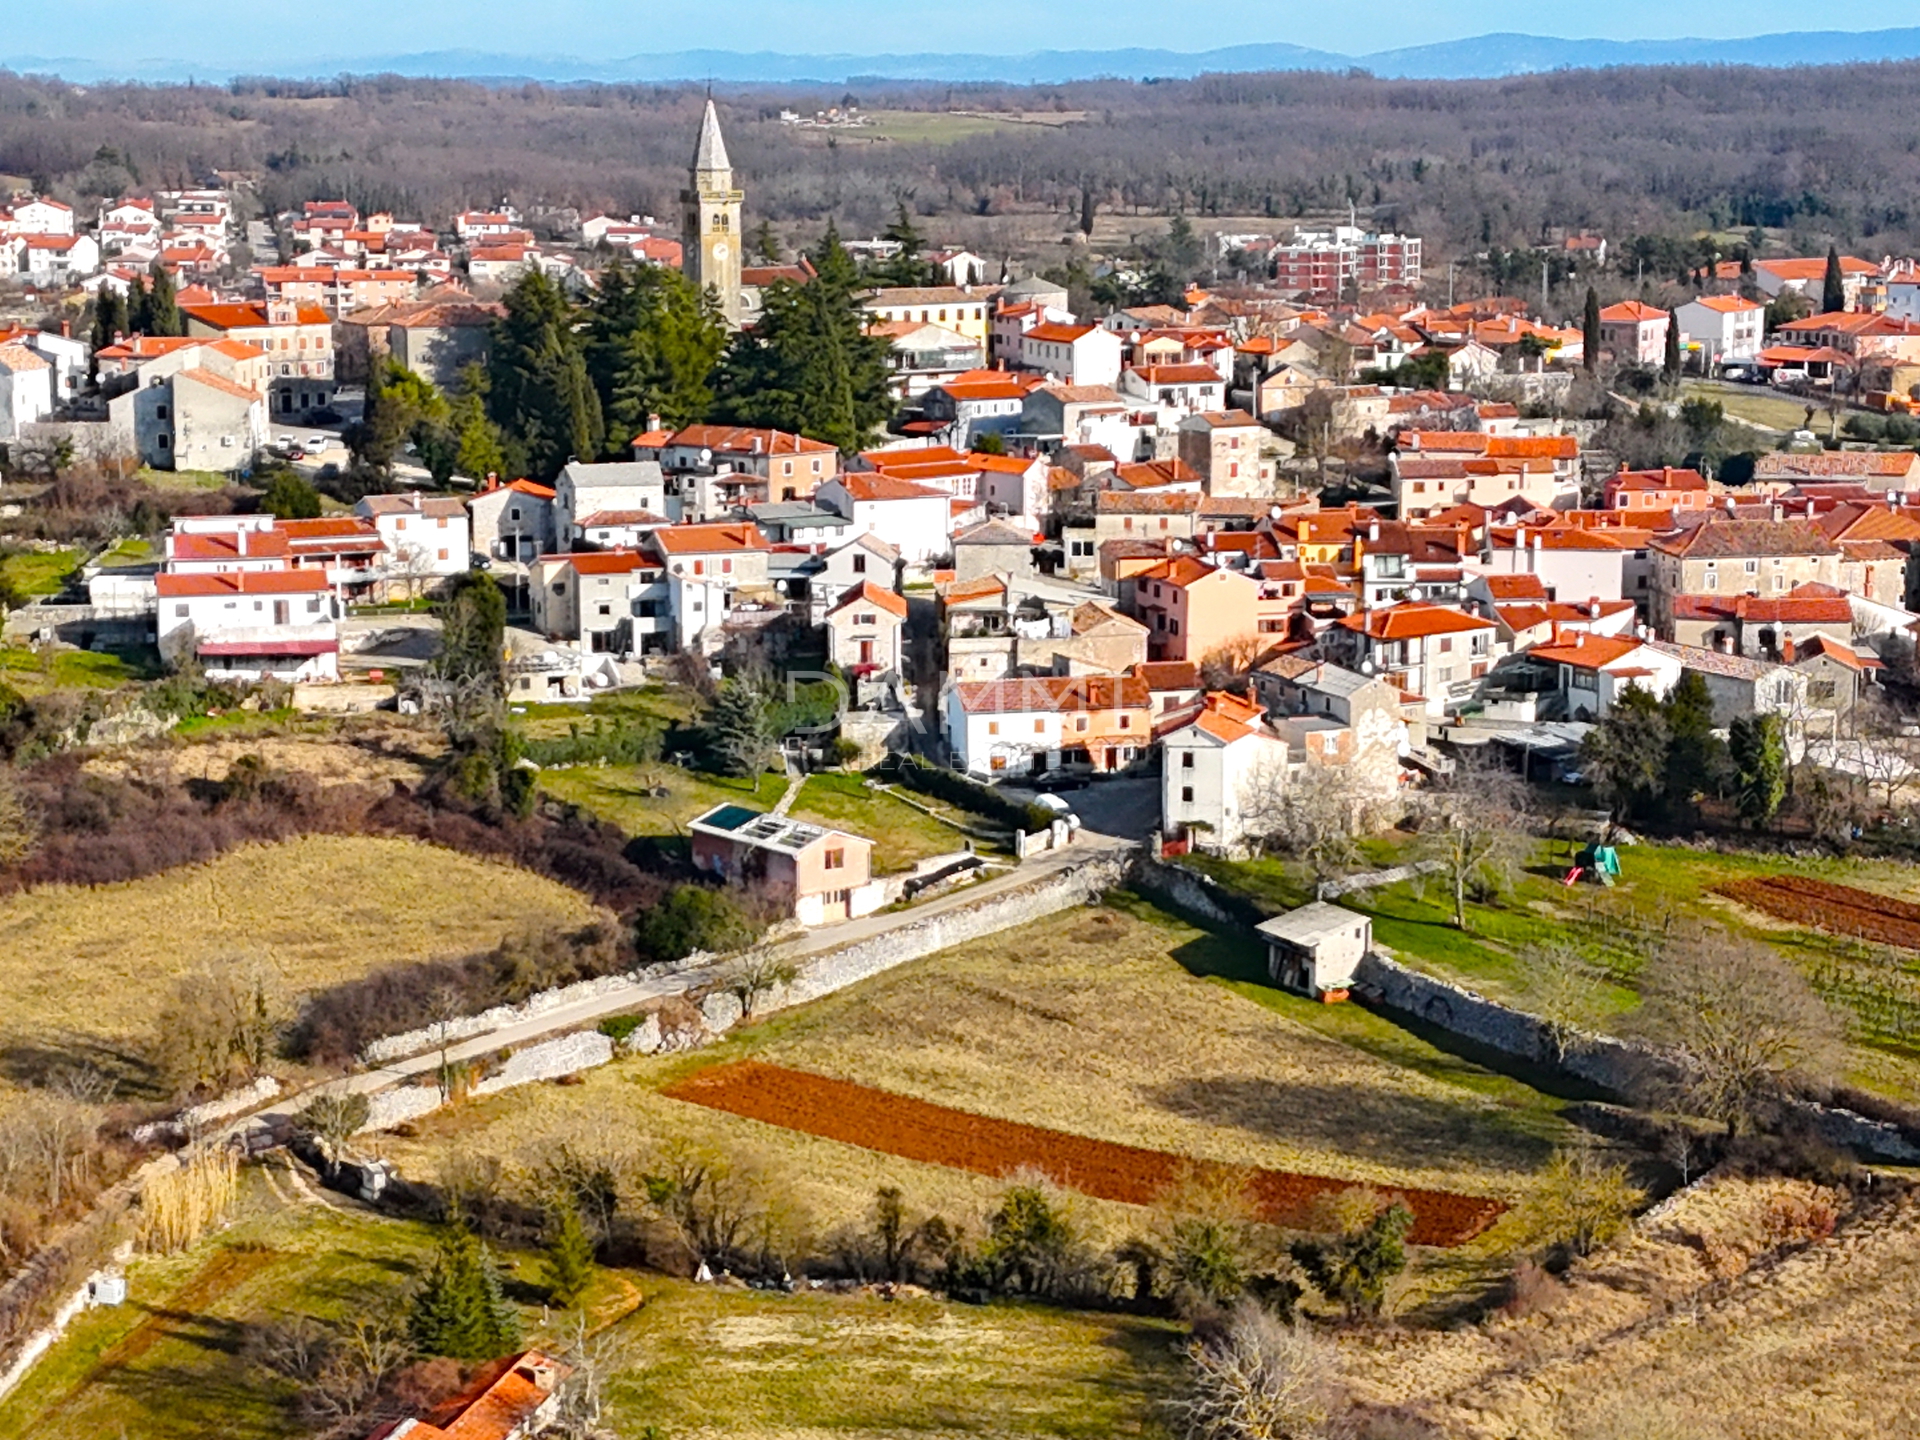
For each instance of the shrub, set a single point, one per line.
(626, 741)
(618, 1028)
(693, 917)
(930, 779)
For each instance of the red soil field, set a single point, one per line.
(1822, 905)
(937, 1135)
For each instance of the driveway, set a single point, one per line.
(1125, 809)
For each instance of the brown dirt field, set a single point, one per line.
(1822, 905)
(1704, 1324)
(375, 751)
(936, 1134)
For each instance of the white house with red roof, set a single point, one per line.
(1224, 773)
(1591, 672)
(42, 217)
(251, 624)
(1071, 353)
(1003, 728)
(507, 1399)
(1438, 652)
(59, 259)
(978, 402)
(426, 536)
(716, 574)
(915, 520)
(1177, 391)
(1720, 328)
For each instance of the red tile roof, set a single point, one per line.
(1053, 693)
(243, 582)
(1414, 620)
(866, 592)
(709, 539)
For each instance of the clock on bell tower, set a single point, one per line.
(710, 229)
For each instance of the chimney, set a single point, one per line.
(1593, 608)
(1729, 504)
(1779, 513)
(1787, 649)
(653, 420)
(66, 329)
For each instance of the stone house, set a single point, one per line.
(996, 547)
(866, 630)
(1721, 558)
(1317, 949)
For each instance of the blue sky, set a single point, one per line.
(228, 32)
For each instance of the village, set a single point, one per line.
(784, 842)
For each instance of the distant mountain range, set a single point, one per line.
(1483, 57)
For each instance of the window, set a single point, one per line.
(993, 727)
(699, 567)
(226, 442)
(1039, 727)
(605, 609)
(400, 523)
(159, 412)
(726, 567)
(1446, 644)
(180, 612)
(836, 859)
(1186, 794)
(1126, 722)
(1080, 723)
(443, 554)
(859, 564)
(1186, 760)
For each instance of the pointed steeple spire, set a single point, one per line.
(711, 153)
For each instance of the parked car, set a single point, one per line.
(319, 442)
(1055, 780)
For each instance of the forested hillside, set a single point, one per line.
(1818, 153)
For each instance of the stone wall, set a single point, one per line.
(432, 1037)
(1195, 894)
(548, 1060)
(1333, 889)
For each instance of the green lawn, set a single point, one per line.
(182, 479)
(36, 574)
(901, 834)
(685, 1358)
(666, 703)
(1661, 887)
(67, 669)
(238, 722)
(620, 794)
(131, 551)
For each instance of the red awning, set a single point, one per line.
(259, 648)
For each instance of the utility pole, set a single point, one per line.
(1449, 284)
(1543, 288)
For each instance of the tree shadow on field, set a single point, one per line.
(47, 1063)
(1386, 1125)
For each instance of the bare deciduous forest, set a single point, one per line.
(1815, 154)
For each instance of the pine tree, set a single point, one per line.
(568, 1265)
(766, 245)
(1670, 361)
(539, 392)
(109, 318)
(1590, 333)
(163, 310)
(398, 404)
(906, 267)
(1696, 757)
(461, 1309)
(808, 364)
(653, 340)
(1833, 290)
(735, 730)
(139, 313)
(473, 628)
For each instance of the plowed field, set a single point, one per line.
(1841, 909)
(937, 1135)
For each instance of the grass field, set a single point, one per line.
(131, 551)
(33, 573)
(35, 673)
(691, 1360)
(667, 704)
(1758, 404)
(1662, 887)
(622, 794)
(923, 127)
(182, 479)
(95, 964)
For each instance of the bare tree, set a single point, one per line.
(410, 565)
(753, 976)
(1883, 749)
(333, 1120)
(1261, 1379)
(1309, 812)
(1740, 1022)
(1472, 824)
(19, 829)
(1563, 990)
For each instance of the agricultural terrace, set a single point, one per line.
(87, 968)
(691, 1360)
(1116, 1024)
(1851, 957)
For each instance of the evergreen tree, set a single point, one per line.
(109, 318)
(653, 340)
(1696, 757)
(905, 268)
(399, 405)
(1627, 752)
(138, 312)
(460, 1309)
(480, 451)
(808, 364)
(568, 1263)
(1183, 251)
(1590, 332)
(1670, 360)
(735, 730)
(1088, 206)
(1833, 290)
(1759, 746)
(473, 629)
(538, 390)
(288, 497)
(163, 309)
(1354, 1270)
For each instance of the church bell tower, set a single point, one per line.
(710, 209)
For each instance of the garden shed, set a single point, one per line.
(1316, 949)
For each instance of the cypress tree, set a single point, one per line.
(1670, 361)
(1833, 290)
(163, 309)
(109, 317)
(1590, 333)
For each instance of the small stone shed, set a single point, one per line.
(1316, 949)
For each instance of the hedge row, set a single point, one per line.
(919, 774)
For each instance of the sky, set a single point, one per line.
(231, 33)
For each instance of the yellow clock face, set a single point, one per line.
(719, 249)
